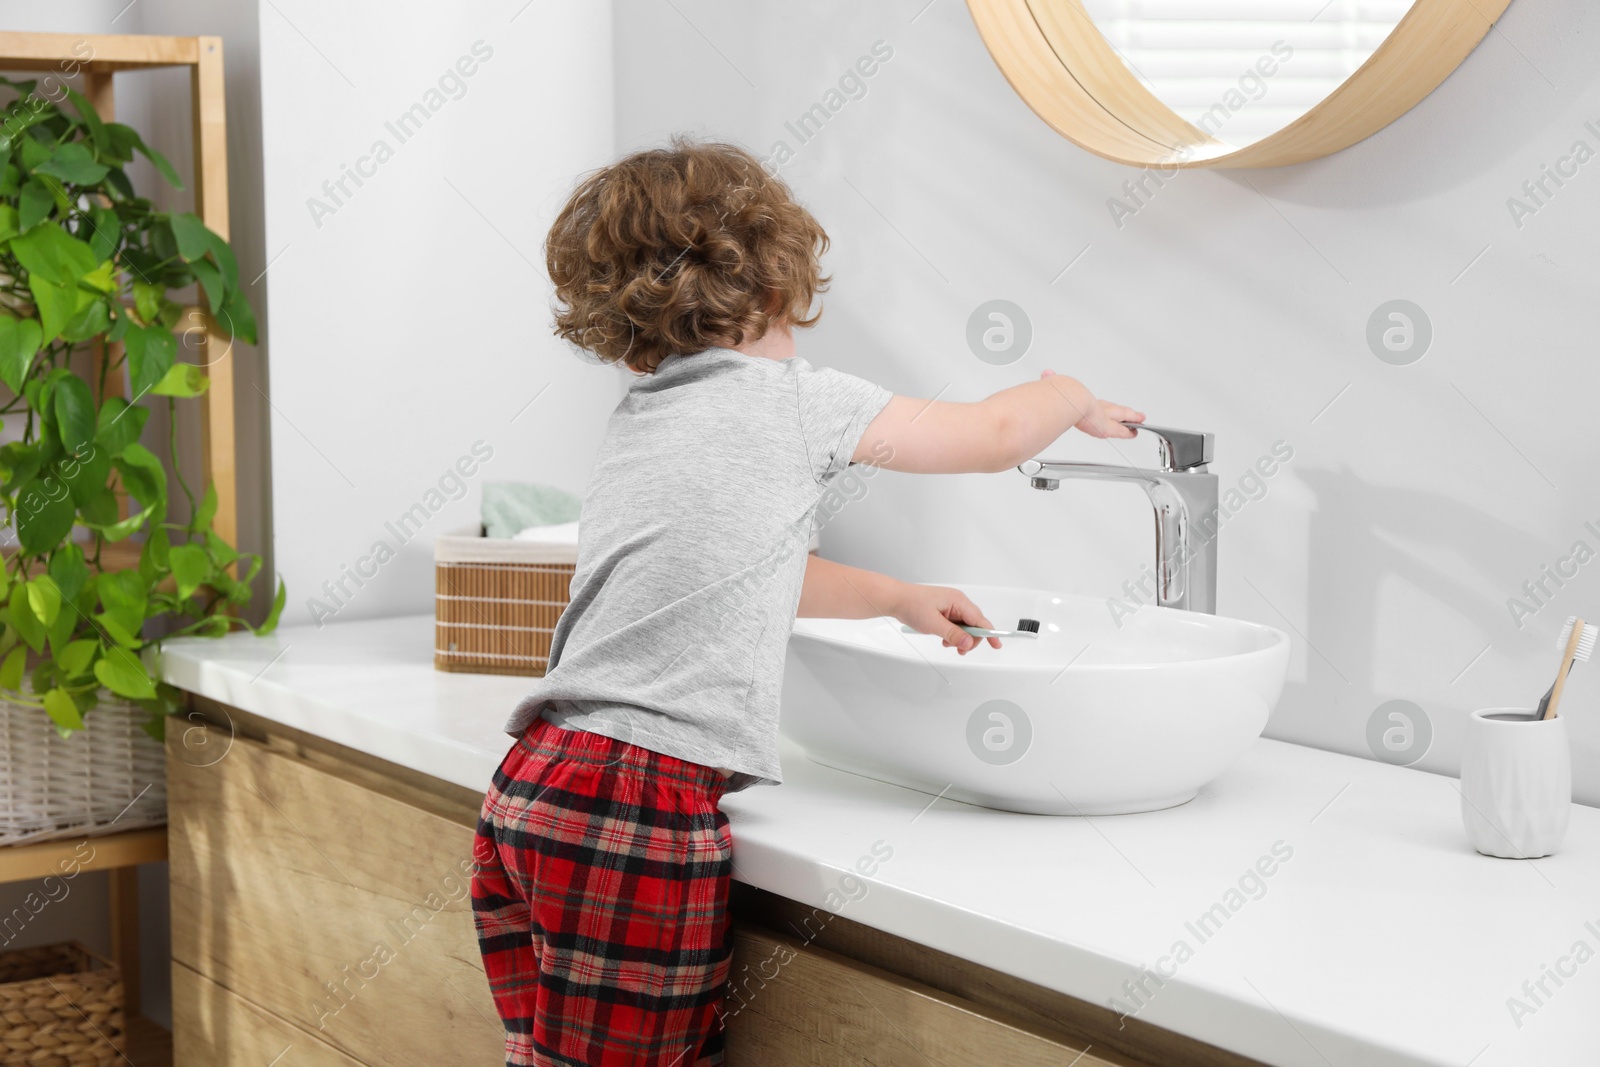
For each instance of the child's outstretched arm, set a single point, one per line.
(944, 437)
(835, 591)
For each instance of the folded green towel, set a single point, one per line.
(509, 507)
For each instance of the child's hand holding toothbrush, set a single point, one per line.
(936, 610)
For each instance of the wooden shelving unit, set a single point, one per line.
(97, 58)
(149, 1044)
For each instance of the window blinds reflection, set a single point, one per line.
(1209, 60)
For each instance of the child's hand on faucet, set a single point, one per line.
(1104, 419)
(933, 609)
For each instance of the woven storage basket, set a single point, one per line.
(60, 1006)
(496, 602)
(106, 778)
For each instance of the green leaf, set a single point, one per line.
(55, 253)
(143, 474)
(105, 232)
(28, 628)
(73, 162)
(156, 726)
(11, 670)
(31, 150)
(9, 226)
(138, 482)
(116, 531)
(22, 460)
(19, 341)
(68, 571)
(73, 660)
(183, 379)
(191, 234)
(63, 711)
(222, 553)
(236, 319)
(43, 675)
(206, 511)
(97, 510)
(119, 185)
(91, 119)
(35, 203)
(102, 277)
(60, 631)
(210, 279)
(270, 623)
(124, 137)
(147, 298)
(75, 414)
(249, 575)
(44, 514)
(57, 303)
(122, 595)
(151, 350)
(191, 565)
(214, 626)
(156, 556)
(92, 319)
(44, 599)
(86, 699)
(124, 674)
(116, 631)
(121, 424)
(87, 475)
(222, 255)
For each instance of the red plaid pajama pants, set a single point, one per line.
(601, 903)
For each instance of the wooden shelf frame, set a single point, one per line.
(112, 852)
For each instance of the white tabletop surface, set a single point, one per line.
(1381, 939)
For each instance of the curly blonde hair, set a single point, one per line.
(675, 250)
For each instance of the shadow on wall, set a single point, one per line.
(1453, 558)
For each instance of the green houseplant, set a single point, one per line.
(85, 264)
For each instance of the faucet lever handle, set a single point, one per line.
(1181, 450)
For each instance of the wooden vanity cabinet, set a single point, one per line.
(321, 918)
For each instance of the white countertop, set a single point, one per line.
(1383, 938)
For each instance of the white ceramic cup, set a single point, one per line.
(1516, 783)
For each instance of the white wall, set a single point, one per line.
(409, 315)
(1414, 506)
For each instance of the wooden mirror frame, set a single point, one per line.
(1061, 65)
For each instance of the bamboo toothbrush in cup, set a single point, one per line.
(1576, 642)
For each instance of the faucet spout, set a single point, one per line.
(1183, 496)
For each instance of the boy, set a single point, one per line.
(601, 897)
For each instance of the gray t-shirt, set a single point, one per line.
(692, 550)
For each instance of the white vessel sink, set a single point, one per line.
(1089, 719)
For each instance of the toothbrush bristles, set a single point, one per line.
(1586, 638)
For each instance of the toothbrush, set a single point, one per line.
(1025, 628)
(1576, 642)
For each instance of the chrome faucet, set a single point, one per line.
(1184, 495)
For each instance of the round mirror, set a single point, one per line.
(1226, 83)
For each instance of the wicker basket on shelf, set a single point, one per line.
(106, 778)
(60, 1006)
(496, 602)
